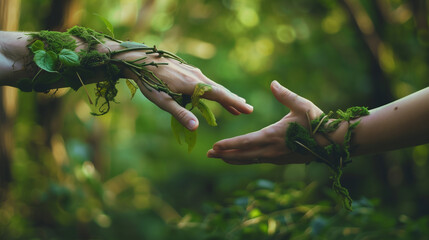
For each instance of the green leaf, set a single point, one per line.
(37, 45)
(199, 90)
(190, 138)
(69, 58)
(132, 87)
(108, 25)
(129, 44)
(46, 60)
(178, 129)
(207, 113)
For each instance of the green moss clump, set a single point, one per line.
(89, 36)
(56, 41)
(336, 156)
(92, 58)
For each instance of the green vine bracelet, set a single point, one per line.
(335, 155)
(57, 62)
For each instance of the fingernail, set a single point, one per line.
(191, 124)
(276, 84)
(249, 106)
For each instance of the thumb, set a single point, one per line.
(185, 117)
(288, 98)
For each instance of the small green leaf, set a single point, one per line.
(207, 113)
(69, 58)
(199, 91)
(178, 129)
(132, 87)
(108, 25)
(37, 45)
(129, 44)
(46, 60)
(190, 138)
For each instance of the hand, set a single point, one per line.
(268, 144)
(182, 78)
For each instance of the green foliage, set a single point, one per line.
(181, 132)
(207, 113)
(196, 101)
(108, 25)
(37, 45)
(336, 156)
(130, 44)
(55, 41)
(91, 37)
(46, 60)
(140, 176)
(132, 87)
(69, 58)
(199, 91)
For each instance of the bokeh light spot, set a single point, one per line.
(286, 34)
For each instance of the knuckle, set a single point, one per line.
(181, 114)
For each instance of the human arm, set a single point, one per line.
(16, 64)
(399, 124)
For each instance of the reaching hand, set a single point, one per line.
(182, 78)
(268, 144)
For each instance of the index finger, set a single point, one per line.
(228, 99)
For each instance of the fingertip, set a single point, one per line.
(275, 86)
(249, 108)
(210, 153)
(192, 124)
(217, 146)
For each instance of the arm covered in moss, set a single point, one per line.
(16, 63)
(402, 123)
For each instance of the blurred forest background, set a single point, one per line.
(65, 174)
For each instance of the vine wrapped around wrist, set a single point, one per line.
(59, 64)
(335, 155)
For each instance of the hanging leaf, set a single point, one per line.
(132, 87)
(129, 44)
(199, 90)
(46, 60)
(190, 138)
(69, 58)
(37, 45)
(108, 25)
(178, 129)
(207, 113)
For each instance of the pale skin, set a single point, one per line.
(180, 78)
(402, 123)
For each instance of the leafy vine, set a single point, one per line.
(335, 155)
(56, 57)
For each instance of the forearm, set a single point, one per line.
(402, 123)
(14, 57)
(16, 60)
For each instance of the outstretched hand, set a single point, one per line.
(268, 144)
(182, 78)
